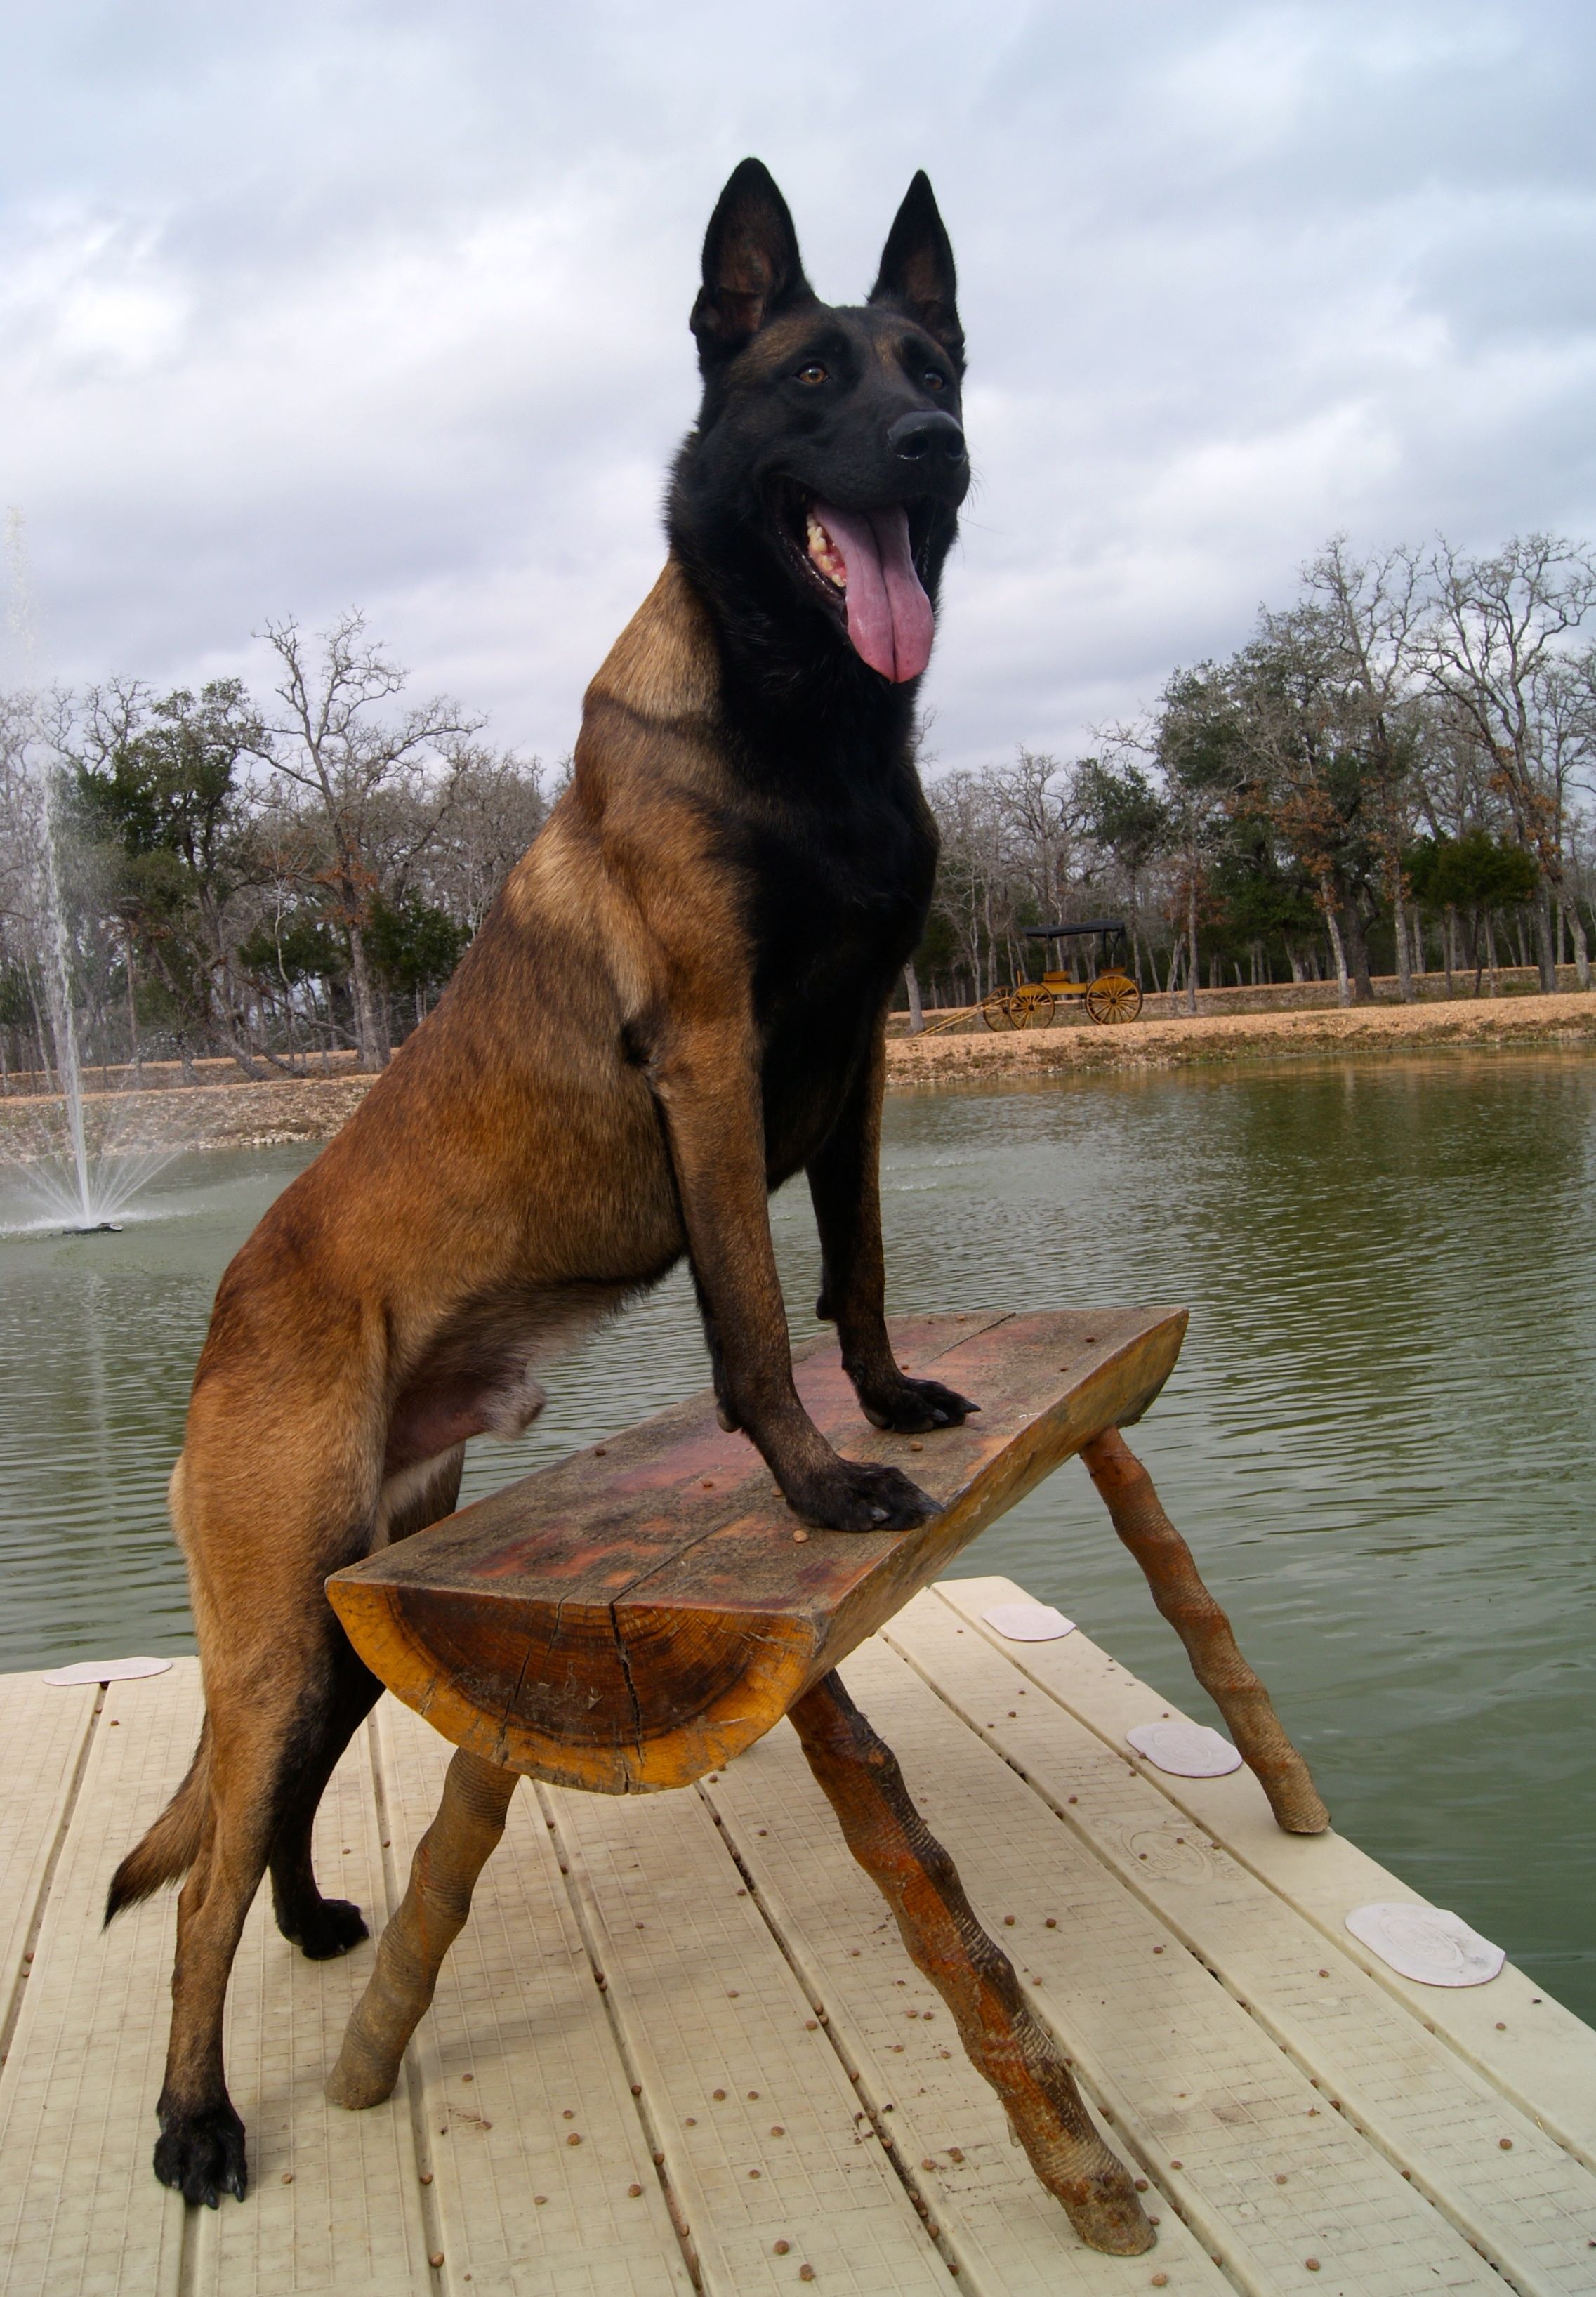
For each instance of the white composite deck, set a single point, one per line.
(679, 2044)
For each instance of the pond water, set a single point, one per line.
(1380, 1438)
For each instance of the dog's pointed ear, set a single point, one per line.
(916, 274)
(752, 267)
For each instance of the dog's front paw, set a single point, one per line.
(324, 1930)
(854, 1497)
(202, 2153)
(916, 1406)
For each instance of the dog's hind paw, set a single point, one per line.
(324, 1930)
(202, 2154)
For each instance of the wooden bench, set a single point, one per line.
(636, 1615)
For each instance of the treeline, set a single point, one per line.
(266, 878)
(1392, 776)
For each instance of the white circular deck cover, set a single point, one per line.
(1029, 1622)
(1425, 1943)
(1186, 1750)
(105, 1670)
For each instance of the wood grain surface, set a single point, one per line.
(639, 1613)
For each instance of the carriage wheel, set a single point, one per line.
(996, 1011)
(1031, 1006)
(1114, 997)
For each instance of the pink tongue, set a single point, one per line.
(890, 622)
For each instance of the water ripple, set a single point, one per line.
(1380, 1438)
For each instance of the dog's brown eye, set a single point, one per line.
(813, 372)
(934, 381)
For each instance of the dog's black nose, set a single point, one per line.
(925, 439)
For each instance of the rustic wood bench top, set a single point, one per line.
(636, 1615)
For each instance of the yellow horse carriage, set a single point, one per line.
(1108, 992)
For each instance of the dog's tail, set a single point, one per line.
(171, 1846)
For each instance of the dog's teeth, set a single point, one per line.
(825, 555)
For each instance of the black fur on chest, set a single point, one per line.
(835, 875)
(835, 900)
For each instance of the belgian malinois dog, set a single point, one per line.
(679, 999)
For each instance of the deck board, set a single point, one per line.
(79, 2211)
(1428, 2111)
(707, 2004)
(334, 2208)
(518, 2035)
(946, 2124)
(43, 1727)
(767, 1962)
(1213, 2110)
(1542, 2060)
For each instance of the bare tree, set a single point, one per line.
(1372, 610)
(1008, 841)
(1566, 707)
(497, 805)
(335, 741)
(1033, 801)
(964, 887)
(22, 839)
(1495, 639)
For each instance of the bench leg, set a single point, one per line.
(1178, 1590)
(449, 1857)
(975, 1978)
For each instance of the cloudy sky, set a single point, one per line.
(339, 303)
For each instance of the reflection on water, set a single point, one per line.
(1380, 1438)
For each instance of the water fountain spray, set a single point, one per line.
(57, 968)
(81, 1191)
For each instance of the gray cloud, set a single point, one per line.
(388, 305)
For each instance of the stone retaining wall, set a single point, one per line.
(243, 1115)
(209, 1116)
(1293, 997)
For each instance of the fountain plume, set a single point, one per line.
(79, 1190)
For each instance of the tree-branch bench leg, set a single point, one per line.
(449, 1857)
(915, 1875)
(1178, 1590)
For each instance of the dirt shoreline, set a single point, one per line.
(312, 1108)
(1563, 1023)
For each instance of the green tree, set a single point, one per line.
(1122, 812)
(1199, 749)
(1306, 771)
(413, 946)
(1262, 897)
(291, 953)
(159, 797)
(1477, 876)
